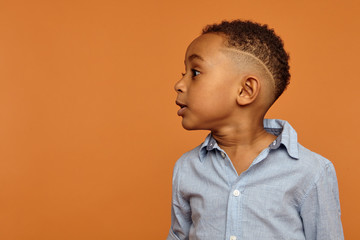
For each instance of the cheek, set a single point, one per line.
(215, 104)
(208, 97)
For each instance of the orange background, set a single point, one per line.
(88, 126)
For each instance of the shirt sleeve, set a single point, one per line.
(180, 210)
(320, 210)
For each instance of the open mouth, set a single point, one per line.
(182, 108)
(180, 104)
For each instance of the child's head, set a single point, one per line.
(233, 70)
(259, 41)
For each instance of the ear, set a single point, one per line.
(248, 90)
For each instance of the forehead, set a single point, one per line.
(206, 46)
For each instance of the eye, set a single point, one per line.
(195, 72)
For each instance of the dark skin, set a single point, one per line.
(227, 96)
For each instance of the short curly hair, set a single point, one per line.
(260, 41)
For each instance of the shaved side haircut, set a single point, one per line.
(261, 42)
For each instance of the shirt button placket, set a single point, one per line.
(236, 194)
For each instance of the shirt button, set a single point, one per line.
(223, 155)
(232, 238)
(236, 193)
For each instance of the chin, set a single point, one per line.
(190, 126)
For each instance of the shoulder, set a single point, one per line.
(189, 158)
(318, 171)
(314, 162)
(184, 168)
(304, 174)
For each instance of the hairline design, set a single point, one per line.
(255, 58)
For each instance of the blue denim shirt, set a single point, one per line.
(288, 192)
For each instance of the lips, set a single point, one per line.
(182, 109)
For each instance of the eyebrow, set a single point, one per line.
(195, 56)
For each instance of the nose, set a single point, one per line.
(179, 86)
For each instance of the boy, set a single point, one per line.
(250, 179)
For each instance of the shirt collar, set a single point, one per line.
(208, 145)
(286, 136)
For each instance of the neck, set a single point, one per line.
(247, 134)
(243, 142)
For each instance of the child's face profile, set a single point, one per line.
(207, 91)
